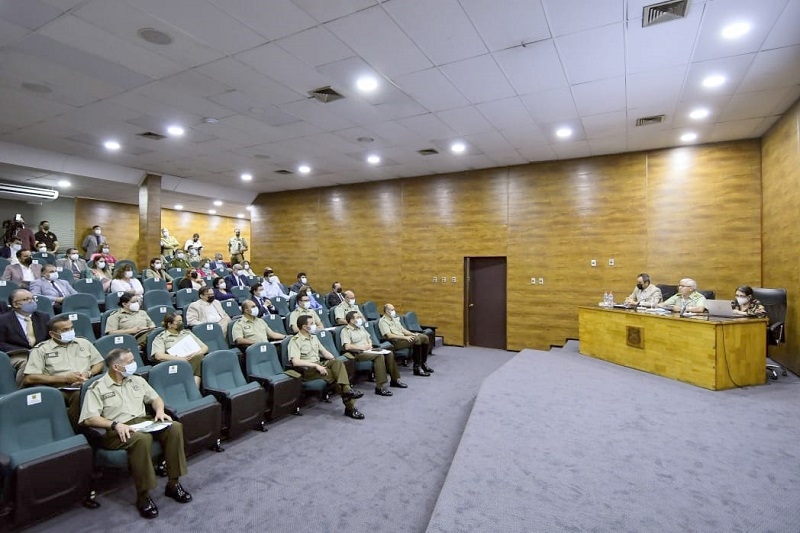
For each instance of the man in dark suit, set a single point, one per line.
(236, 278)
(16, 337)
(335, 297)
(23, 272)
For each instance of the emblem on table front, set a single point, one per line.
(635, 336)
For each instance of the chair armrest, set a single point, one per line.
(423, 326)
(93, 435)
(5, 462)
(220, 395)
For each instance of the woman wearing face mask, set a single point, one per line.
(129, 319)
(205, 270)
(745, 305)
(158, 272)
(192, 280)
(100, 272)
(308, 291)
(221, 290)
(246, 270)
(173, 334)
(105, 253)
(124, 281)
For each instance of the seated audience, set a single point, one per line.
(158, 272)
(179, 260)
(269, 273)
(205, 269)
(303, 308)
(335, 297)
(745, 304)
(104, 253)
(246, 270)
(393, 331)
(221, 290)
(50, 287)
(100, 272)
(218, 262)
(191, 280)
(169, 244)
(272, 287)
(349, 304)
(174, 333)
(237, 278)
(357, 341)
(207, 309)
(22, 328)
(250, 329)
(11, 247)
(687, 300)
(93, 242)
(124, 281)
(308, 291)
(46, 237)
(301, 281)
(263, 303)
(130, 319)
(24, 271)
(645, 294)
(73, 262)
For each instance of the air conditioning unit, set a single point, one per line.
(12, 191)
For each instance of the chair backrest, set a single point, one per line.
(370, 310)
(285, 351)
(174, 382)
(774, 302)
(231, 344)
(90, 286)
(195, 263)
(82, 325)
(709, 295)
(221, 272)
(186, 296)
(321, 300)
(153, 284)
(45, 305)
(324, 317)
(104, 318)
(231, 307)
(412, 322)
(211, 335)
(337, 337)
(4, 263)
(155, 297)
(82, 303)
(261, 360)
(86, 384)
(158, 312)
(112, 299)
(32, 417)
(275, 323)
(65, 274)
(281, 305)
(8, 375)
(292, 302)
(667, 291)
(331, 316)
(176, 273)
(44, 258)
(126, 262)
(6, 288)
(241, 293)
(108, 342)
(149, 345)
(374, 331)
(222, 371)
(327, 342)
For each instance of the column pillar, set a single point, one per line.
(149, 245)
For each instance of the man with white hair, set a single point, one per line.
(688, 300)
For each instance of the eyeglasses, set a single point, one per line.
(25, 300)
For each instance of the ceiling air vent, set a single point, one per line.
(152, 135)
(647, 121)
(428, 151)
(325, 95)
(664, 12)
(284, 172)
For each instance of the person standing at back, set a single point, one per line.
(93, 242)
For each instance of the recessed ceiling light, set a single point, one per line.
(249, 207)
(209, 120)
(736, 30)
(239, 215)
(688, 137)
(212, 211)
(64, 183)
(178, 206)
(152, 35)
(699, 113)
(304, 169)
(563, 132)
(374, 159)
(112, 145)
(247, 177)
(367, 83)
(217, 203)
(713, 81)
(175, 131)
(458, 147)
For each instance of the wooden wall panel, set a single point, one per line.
(781, 218)
(120, 224)
(214, 230)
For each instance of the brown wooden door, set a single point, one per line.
(486, 301)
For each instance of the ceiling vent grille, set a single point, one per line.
(648, 121)
(284, 172)
(428, 151)
(152, 135)
(664, 12)
(325, 95)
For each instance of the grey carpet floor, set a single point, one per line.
(321, 472)
(561, 442)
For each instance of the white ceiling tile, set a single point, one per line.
(758, 104)
(64, 5)
(785, 33)
(20, 109)
(608, 145)
(277, 64)
(316, 113)
(655, 88)
(593, 54)
(605, 125)
(392, 132)
(465, 120)
(428, 127)
(571, 16)
(325, 10)
(572, 150)
(445, 34)
(261, 89)
(381, 42)
(273, 19)
(400, 107)
(533, 67)
(195, 83)
(550, 106)
(490, 85)
(535, 153)
(733, 68)
(11, 33)
(601, 96)
(431, 89)
(525, 138)
(519, 21)
(30, 14)
(736, 129)
(661, 45)
(773, 68)
(507, 113)
(316, 46)
(491, 142)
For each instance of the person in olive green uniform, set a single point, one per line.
(304, 309)
(304, 352)
(393, 331)
(179, 260)
(687, 300)
(174, 333)
(63, 361)
(115, 402)
(250, 330)
(349, 304)
(130, 319)
(357, 341)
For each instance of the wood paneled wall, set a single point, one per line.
(691, 211)
(214, 230)
(781, 220)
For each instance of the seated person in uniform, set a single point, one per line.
(307, 354)
(304, 309)
(687, 300)
(357, 340)
(744, 304)
(645, 294)
(129, 319)
(179, 260)
(158, 272)
(63, 361)
(22, 328)
(349, 304)
(393, 331)
(50, 287)
(174, 333)
(117, 401)
(207, 309)
(250, 329)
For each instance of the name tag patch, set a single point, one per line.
(108, 395)
(50, 355)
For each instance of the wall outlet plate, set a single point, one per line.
(444, 279)
(594, 262)
(533, 281)
(541, 281)
(611, 262)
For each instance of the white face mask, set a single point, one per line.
(166, 234)
(52, 276)
(306, 305)
(271, 279)
(303, 280)
(130, 368)
(222, 285)
(16, 247)
(157, 266)
(392, 313)
(742, 301)
(351, 301)
(74, 257)
(254, 311)
(134, 307)
(105, 250)
(246, 267)
(128, 274)
(359, 322)
(206, 265)
(101, 265)
(260, 294)
(312, 329)
(68, 336)
(179, 256)
(308, 293)
(97, 232)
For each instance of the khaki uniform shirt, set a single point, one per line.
(356, 335)
(341, 310)
(118, 403)
(237, 245)
(256, 330)
(122, 319)
(51, 358)
(305, 348)
(166, 340)
(390, 325)
(694, 300)
(299, 312)
(650, 295)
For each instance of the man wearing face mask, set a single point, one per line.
(393, 331)
(272, 285)
(218, 262)
(12, 246)
(129, 319)
(73, 262)
(63, 361)
(304, 309)
(348, 305)
(46, 237)
(307, 354)
(335, 297)
(93, 242)
(301, 280)
(236, 278)
(24, 271)
(357, 340)
(263, 303)
(169, 244)
(117, 401)
(179, 260)
(237, 246)
(25, 235)
(52, 288)
(645, 294)
(193, 246)
(207, 309)
(21, 329)
(250, 330)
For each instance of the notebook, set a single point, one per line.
(720, 308)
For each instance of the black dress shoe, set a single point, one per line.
(354, 413)
(420, 372)
(178, 493)
(398, 384)
(148, 509)
(427, 369)
(352, 394)
(383, 392)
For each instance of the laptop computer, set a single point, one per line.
(720, 308)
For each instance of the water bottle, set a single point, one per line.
(605, 299)
(610, 299)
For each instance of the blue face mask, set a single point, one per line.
(28, 307)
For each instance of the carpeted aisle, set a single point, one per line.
(561, 442)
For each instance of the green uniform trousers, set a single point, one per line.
(140, 457)
(380, 364)
(419, 348)
(336, 372)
